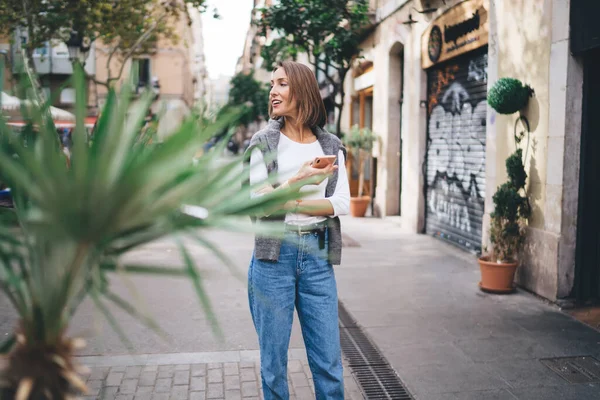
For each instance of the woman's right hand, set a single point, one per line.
(312, 176)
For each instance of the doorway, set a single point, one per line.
(587, 267)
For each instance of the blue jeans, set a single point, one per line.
(305, 279)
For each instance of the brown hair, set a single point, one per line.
(305, 90)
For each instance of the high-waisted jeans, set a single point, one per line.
(302, 277)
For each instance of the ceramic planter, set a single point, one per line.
(497, 277)
(358, 206)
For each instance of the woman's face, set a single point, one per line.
(279, 96)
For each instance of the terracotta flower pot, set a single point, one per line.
(497, 277)
(358, 205)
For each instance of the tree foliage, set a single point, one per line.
(328, 31)
(252, 95)
(128, 27)
(511, 210)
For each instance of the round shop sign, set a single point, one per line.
(434, 47)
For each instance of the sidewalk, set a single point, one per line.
(417, 299)
(220, 375)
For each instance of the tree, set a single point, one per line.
(328, 31)
(252, 95)
(129, 27)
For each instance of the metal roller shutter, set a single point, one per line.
(456, 149)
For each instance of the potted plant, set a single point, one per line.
(64, 238)
(360, 142)
(507, 229)
(509, 95)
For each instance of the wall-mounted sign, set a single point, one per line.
(462, 28)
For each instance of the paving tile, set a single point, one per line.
(215, 375)
(568, 392)
(133, 372)
(232, 382)
(150, 368)
(247, 364)
(160, 396)
(199, 370)
(249, 389)
(487, 350)
(179, 392)
(163, 385)
(435, 379)
(120, 368)
(198, 383)
(498, 394)
(108, 393)
(124, 397)
(304, 393)
(214, 365)
(128, 386)
(144, 389)
(94, 387)
(114, 378)
(233, 395)
(294, 366)
(247, 375)
(299, 379)
(426, 354)
(148, 378)
(182, 367)
(526, 373)
(215, 391)
(166, 371)
(99, 373)
(143, 396)
(197, 395)
(231, 369)
(182, 377)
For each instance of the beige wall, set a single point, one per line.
(171, 63)
(531, 41)
(528, 40)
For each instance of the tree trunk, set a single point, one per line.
(361, 172)
(340, 106)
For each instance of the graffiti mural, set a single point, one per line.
(456, 150)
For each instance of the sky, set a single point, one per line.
(224, 37)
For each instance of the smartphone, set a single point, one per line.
(323, 161)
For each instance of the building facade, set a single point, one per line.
(169, 70)
(422, 87)
(199, 72)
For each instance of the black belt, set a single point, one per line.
(318, 229)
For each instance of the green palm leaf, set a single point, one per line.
(122, 191)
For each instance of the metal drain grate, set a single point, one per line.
(582, 369)
(375, 376)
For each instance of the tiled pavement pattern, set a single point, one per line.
(228, 381)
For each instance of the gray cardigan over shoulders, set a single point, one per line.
(267, 140)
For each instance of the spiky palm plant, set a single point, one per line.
(71, 223)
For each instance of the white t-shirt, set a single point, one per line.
(290, 157)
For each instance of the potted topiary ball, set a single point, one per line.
(507, 229)
(509, 95)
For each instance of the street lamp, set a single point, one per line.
(77, 50)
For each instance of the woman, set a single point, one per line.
(297, 271)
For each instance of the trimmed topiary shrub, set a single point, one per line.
(511, 210)
(509, 95)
